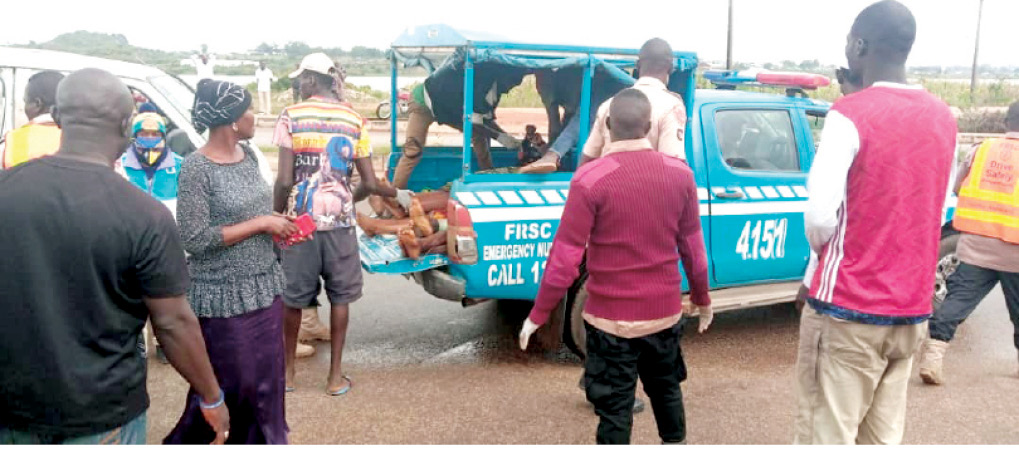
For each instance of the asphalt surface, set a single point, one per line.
(427, 371)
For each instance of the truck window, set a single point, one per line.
(816, 121)
(757, 140)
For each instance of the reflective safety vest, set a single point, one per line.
(989, 198)
(29, 142)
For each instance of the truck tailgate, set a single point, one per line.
(382, 254)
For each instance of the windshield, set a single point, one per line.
(179, 94)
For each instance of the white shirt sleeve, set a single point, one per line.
(808, 276)
(826, 185)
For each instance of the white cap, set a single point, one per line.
(315, 62)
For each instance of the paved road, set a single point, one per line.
(429, 371)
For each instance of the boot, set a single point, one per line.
(931, 361)
(547, 164)
(312, 328)
(305, 350)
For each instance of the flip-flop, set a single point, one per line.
(350, 385)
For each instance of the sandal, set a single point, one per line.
(344, 390)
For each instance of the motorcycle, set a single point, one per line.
(384, 110)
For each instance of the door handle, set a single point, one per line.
(734, 194)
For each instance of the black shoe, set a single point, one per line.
(638, 405)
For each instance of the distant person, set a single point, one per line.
(439, 99)
(886, 150)
(41, 136)
(95, 257)
(204, 66)
(988, 248)
(264, 79)
(226, 221)
(636, 214)
(655, 64)
(321, 130)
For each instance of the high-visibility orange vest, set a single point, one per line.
(989, 197)
(29, 142)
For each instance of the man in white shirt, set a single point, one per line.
(264, 77)
(204, 66)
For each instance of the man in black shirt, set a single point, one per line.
(87, 257)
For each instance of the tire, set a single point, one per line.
(383, 111)
(947, 264)
(576, 338)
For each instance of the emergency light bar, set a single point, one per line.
(732, 78)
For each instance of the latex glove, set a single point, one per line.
(704, 317)
(508, 141)
(526, 331)
(404, 197)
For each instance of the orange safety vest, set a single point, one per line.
(989, 197)
(29, 142)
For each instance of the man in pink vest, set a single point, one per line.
(877, 191)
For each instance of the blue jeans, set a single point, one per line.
(967, 287)
(132, 433)
(568, 138)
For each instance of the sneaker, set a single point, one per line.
(312, 329)
(931, 371)
(305, 350)
(547, 164)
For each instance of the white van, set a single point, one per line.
(172, 96)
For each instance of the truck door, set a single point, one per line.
(757, 159)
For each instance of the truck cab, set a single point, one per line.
(750, 152)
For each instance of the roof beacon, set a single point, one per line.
(729, 79)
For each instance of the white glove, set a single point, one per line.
(404, 197)
(508, 141)
(704, 317)
(526, 331)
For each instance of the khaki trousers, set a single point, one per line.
(264, 102)
(420, 118)
(852, 380)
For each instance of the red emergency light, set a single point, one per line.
(733, 78)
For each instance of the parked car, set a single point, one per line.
(168, 93)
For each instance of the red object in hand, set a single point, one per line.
(305, 227)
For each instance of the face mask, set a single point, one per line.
(149, 149)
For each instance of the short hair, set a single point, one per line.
(43, 86)
(323, 81)
(889, 29)
(656, 55)
(630, 111)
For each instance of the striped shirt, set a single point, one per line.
(326, 137)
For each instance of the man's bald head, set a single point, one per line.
(655, 58)
(885, 31)
(94, 108)
(629, 115)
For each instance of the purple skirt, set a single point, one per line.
(246, 352)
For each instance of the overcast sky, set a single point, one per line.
(765, 30)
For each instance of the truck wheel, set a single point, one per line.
(383, 111)
(577, 341)
(947, 264)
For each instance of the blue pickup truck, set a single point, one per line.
(750, 153)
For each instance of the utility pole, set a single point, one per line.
(728, 52)
(976, 51)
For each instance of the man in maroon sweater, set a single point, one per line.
(635, 212)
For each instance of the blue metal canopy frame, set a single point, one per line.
(411, 49)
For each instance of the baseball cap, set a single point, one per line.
(314, 62)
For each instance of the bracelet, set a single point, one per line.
(216, 404)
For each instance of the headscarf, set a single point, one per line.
(218, 103)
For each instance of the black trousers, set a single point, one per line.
(967, 287)
(611, 370)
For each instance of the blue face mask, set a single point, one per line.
(148, 143)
